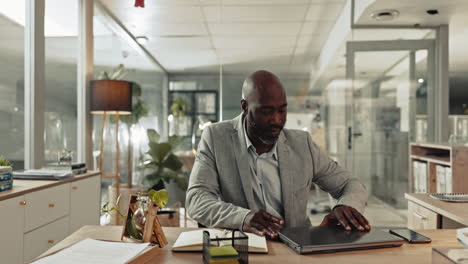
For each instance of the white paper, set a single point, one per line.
(92, 251)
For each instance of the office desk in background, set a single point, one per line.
(278, 252)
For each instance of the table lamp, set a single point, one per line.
(111, 97)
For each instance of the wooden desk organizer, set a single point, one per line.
(152, 231)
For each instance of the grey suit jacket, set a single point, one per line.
(220, 192)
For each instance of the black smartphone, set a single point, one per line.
(410, 235)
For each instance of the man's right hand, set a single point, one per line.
(263, 223)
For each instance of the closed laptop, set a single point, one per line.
(322, 239)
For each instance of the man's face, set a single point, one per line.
(266, 115)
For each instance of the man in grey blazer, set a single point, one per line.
(252, 174)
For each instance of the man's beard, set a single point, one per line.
(257, 133)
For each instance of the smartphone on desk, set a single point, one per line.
(410, 235)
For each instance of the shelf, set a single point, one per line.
(439, 160)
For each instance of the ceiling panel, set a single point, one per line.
(317, 27)
(255, 13)
(255, 29)
(181, 60)
(253, 52)
(254, 42)
(167, 29)
(150, 3)
(162, 14)
(179, 43)
(324, 12)
(255, 2)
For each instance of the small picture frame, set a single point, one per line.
(141, 222)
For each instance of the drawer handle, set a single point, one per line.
(420, 216)
(75, 188)
(51, 205)
(50, 241)
(23, 203)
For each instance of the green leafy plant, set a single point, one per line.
(164, 164)
(5, 162)
(179, 107)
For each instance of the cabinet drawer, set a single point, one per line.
(38, 241)
(46, 205)
(421, 218)
(85, 198)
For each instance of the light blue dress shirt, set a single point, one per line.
(265, 179)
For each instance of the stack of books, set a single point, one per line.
(75, 168)
(6, 179)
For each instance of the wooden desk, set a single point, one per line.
(425, 212)
(280, 253)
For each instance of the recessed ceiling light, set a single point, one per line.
(385, 15)
(420, 80)
(142, 40)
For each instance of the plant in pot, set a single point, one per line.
(164, 167)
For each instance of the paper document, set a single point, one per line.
(92, 251)
(193, 241)
(42, 174)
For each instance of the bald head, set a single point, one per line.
(259, 84)
(264, 107)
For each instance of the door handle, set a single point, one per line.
(350, 137)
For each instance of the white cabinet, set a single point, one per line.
(11, 230)
(46, 205)
(421, 218)
(85, 200)
(39, 240)
(35, 215)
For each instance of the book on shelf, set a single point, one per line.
(5, 169)
(75, 168)
(42, 174)
(448, 180)
(191, 241)
(440, 179)
(420, 176)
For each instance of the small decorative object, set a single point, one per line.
(141, 222)
(65, 157)
(6, 178)
(230, 249)
(139, 3)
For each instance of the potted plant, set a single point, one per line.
(164, 167)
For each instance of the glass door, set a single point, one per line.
(392, 83)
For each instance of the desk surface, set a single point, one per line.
(280, 253)
(458, 212)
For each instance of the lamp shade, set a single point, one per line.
(111, 96)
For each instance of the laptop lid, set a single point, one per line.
(322, 239)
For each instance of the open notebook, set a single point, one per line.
(193, 241)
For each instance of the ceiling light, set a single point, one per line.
(420, 80)
(385, 15)
(142, 40)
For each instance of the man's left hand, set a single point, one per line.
(347, 217)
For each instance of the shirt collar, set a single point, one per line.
(273, 150)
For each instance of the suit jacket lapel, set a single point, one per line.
(286, 180)
(240, 150)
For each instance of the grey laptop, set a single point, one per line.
(322, 239)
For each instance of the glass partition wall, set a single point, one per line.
(12, 82)
(376, 103)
